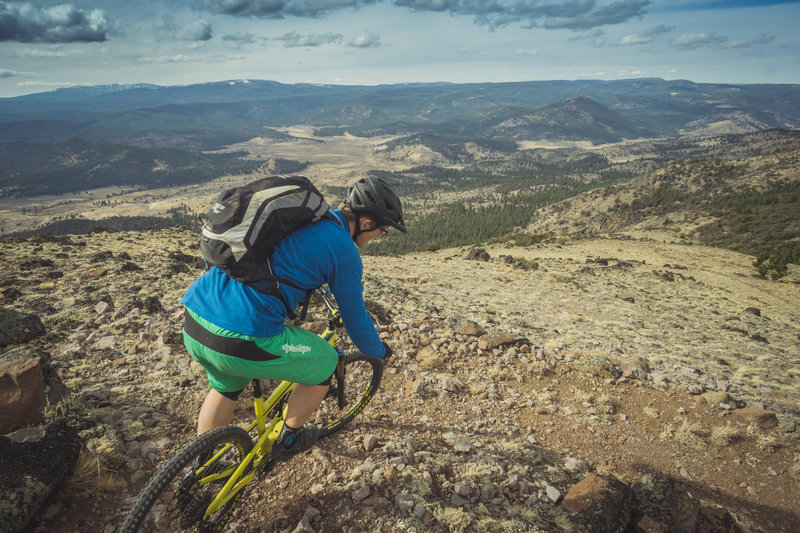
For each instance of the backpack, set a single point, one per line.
(245, 223)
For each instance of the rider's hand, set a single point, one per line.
(388, 353)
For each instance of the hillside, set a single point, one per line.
(748, 202)
(605, 349)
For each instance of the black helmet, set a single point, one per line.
(374, 197)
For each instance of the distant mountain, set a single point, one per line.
(212, 115)
(576, 118)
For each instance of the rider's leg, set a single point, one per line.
(216, 411)
(304, 400)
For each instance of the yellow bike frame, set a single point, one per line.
(267, 435)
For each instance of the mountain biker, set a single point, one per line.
(237, 333)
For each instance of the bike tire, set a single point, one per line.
(160, 507)
(362, 379)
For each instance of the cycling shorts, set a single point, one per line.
(232, 360)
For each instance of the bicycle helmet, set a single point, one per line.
(374, 197)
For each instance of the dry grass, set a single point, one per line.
(691, 434)
(89, 478)
(766, 443)
(452, 518)
(722, 436)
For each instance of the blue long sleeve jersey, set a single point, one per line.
(321, 252)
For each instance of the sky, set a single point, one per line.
(46, 45)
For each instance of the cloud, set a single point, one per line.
(168, 30)
(692, 41)
(645, 38)
(47, 84)
(615, 13)
(242, 38)
(6, 73)
(526, 52)
(65, 23)
(296, 40)
(179, 58)
(199, 30)
(764, 39)
(277, 9)
(553, 14)
(367, 39)
(595, 35)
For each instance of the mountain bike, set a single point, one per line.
(197, 489)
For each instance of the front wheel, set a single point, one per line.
(362, 377)
(177, 496)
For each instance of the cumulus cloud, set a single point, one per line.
(557, 14)
(169, 30)
(692, 41)
(526, 52)
(645, 38)
(65, 23)
(297, 40)
(367, 39)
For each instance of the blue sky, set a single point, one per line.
(50, 44)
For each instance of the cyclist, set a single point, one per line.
(237, 333)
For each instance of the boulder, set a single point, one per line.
(599, 504)
(33, 463)
(494, 339)
(18, 328)
(27, 381)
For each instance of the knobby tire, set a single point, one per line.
(174, 475)
(362, 379)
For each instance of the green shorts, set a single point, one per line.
(294, 355)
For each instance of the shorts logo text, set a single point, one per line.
(298, 349)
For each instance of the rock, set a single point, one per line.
(462, 489)
(713, 398)
(575, 466)
(360, 494)
(469, 328)
(458, 501)
(97, 273)
(493, 340)
(600, 503)
(33, 463)
(103, 307)
(428, 358)
(22, 389)
(404, 502)
(370, 442)
(753, 311)
(553, 493)
(18, 328)
(761, 417)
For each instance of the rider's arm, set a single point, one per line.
(349, 293)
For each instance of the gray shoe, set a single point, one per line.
(304, 439)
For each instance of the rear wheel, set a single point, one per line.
(362, 377)
(176, 497)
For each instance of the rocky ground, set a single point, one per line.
(523, 378)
